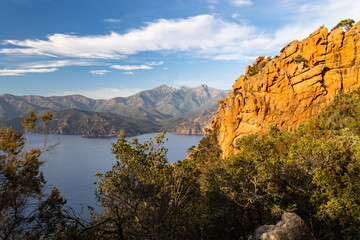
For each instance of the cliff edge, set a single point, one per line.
(290, 88)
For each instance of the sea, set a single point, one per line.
(70, 166)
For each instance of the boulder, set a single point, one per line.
(291, 227)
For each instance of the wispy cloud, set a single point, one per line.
(17, 72)
(129, 73)
(235, 56)
(99, 72)
(43, 67)
(155, 63)
(202, 36)
(59, 63)
(102, 93)
(131, 67)
(241, 2)
(112, 20)
(235, 16)
(199, 34)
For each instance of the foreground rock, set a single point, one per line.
(291, 227)
(291, 88)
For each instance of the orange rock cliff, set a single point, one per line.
(292, 88)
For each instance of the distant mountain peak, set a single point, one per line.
(202, 86)
(163, 88)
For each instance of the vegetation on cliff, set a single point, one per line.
(346, 24)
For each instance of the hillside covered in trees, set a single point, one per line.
(312, 171)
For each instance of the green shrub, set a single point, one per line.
(300, 59)
(255, 68)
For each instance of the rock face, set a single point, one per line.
(291, 88)
(193, 123)
(291, 227)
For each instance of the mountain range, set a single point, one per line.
(179, 110)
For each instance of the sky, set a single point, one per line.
(110, 48)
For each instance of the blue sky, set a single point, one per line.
(109, 48)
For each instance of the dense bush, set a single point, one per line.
(312, 171)
(27, 211)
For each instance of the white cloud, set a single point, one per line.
(99, 72)
(235, 15)
(59, 63)
(199, 34)
(131, 67)
(241, 2)
(43, 67)
(17, 72)
(112, 20)
(128, 73)
(155, 63)
(102, 93)
(202, 36)
(234, 57)
(311, 15)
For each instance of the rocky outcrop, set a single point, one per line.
(291, 227)
(290, 88)
(194, 123)
(188, 128)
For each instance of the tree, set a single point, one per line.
(346, 24)
(26, 210)
(144, 197)
(29, 124)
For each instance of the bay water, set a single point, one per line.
(71, 165)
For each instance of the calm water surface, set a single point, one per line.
(72, 164)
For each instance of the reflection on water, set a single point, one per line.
(72, 164)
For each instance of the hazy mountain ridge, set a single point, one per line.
(89, 124)
(147, 111)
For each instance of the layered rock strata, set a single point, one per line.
(290, 88)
